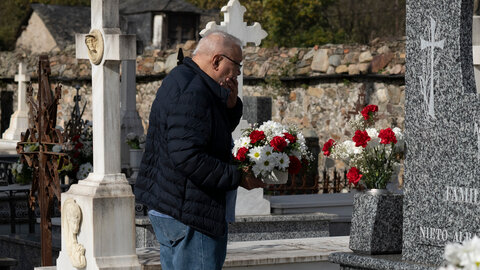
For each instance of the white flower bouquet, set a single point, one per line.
(373, 155)
(463, 256)
(271, 151)
(135, 141)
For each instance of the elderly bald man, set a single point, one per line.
(186, 172)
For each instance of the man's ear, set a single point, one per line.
(216, 61)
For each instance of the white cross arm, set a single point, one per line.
(116, 47)
(22, 75)
(476, 55)
(253, 33)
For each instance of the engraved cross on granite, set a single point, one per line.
(432, 44)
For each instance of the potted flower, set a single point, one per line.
(23, 173)
(271, 152)
(79, 149)
(373, 156)
(136, 143)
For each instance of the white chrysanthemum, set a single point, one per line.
(374, 140)
(398, 133)
(239, 143)
(256, 153)
(267, 164)
(131, 136)
(451, 253)
(57, 148)
(281, 161)
(267, 151)
(87, 148)
(301, 138)
(400, 139)
(469, 254)
(19, 167)
(84, 170)
(142, 138)
(272, 129)
(257, 169)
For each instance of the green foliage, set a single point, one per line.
(14, 15)
(304, 23)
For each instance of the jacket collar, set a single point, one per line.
(217, 90)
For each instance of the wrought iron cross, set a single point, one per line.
(43, 161)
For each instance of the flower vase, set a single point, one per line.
(276, 177)
(377, 222)
(135, 160)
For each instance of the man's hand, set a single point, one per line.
(249, 181)
(232, 84)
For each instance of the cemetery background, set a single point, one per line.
(315, 88)
(330, 73)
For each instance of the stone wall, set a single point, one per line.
(316, 88)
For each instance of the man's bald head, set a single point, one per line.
(219, 55)
(216, 42)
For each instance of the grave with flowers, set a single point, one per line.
(373, 157)
(441, 187)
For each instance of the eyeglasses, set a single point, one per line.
(233, 61)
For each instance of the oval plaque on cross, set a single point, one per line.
(94, 41)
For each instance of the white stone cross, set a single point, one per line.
(432, 44)
(106, 83)
(19, 119)
(248, 202)
(107, 228)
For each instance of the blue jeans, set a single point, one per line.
(183, 248)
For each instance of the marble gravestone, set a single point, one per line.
(442, 172)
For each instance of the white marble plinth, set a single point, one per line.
(107, 229)
(251, 202)
(8, 146)
(18, 124)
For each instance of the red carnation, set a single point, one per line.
(369, 110)
(354, 176)
(278, 143)
(75, 138)
(78, 145)
(388, 136)
(327, 147)
(256, 136)
(361, 138)
(241, 154)
(290, 137)
(295, 165)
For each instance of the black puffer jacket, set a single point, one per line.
(186, 170)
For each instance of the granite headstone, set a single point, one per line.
(442, 187)
(257, 109)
